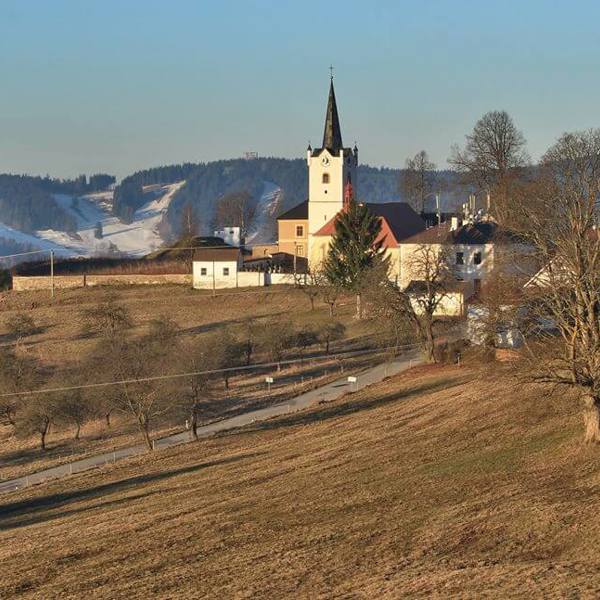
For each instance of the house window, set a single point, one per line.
(225, 271)
(300, 250)
(477, 285)
(325, 177)
(203, 271)
(477, 258)
(299, 230)
(460, 258)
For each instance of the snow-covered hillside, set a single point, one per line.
(92, 213)
(262, 230)
(137, 238)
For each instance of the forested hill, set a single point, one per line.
(27, 203)
(207, 182)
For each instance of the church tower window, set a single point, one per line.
(325, 178)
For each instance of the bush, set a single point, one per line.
(21, 325)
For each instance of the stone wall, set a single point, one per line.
(23, 283)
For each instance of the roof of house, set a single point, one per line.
(479, 233)
(399, 221)
(298, 212)
(225, 254)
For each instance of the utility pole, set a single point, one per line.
(295, 255)
(213, 274)
(52, 273)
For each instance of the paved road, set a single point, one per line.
(327, 393)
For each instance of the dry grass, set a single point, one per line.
(435, 483)
(60, 341)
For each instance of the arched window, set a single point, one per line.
(325, 177)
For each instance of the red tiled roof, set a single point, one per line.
(398, 221)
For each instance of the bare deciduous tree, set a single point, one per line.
(309, 284)
(332, 331)
(107, 319)
(493, 154)
(36, 417)
(563, 221)
(190, 223)
(18, 372)
(275, 339)
(418, 305)
(236, 209)
(418, 180)
(21, 325)
(73, 408)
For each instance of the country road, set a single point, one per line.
(326, 393)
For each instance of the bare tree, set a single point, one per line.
(18, 372)
(132, 360)
(190, 223)
(248, 340)
(197, 392)
(332, 331)
(107, 319)
(73, 408)
(492, 157)
(36, 417)
(304, 338)
(563, 220)
(420, 304)
(275, 339)
(309, 284)
(236, 209)
(417, 181)
(21, 325)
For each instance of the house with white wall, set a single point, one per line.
(216, 267)
(473, 249)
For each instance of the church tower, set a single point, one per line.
(330, 168)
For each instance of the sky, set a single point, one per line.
(119, 85)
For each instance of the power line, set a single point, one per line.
(25, 253)
(259, 366)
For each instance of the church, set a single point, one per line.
(305, 231)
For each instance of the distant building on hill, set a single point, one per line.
(231, 235)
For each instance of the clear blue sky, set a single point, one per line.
(119, 85)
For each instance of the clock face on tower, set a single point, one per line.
(325, 161)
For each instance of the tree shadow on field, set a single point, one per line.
(27, 512)
(343, 406)
(216, 325)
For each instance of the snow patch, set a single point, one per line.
(262, 228)
(137, 238)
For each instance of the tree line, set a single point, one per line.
(122, 354)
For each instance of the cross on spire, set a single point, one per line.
(331, 72)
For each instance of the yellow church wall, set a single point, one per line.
(289, 240)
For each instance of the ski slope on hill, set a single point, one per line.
(262, 230)
(137, 238)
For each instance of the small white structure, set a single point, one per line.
(451, 302)
(231, 236)
(216, 267)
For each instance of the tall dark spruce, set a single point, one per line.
(355, 250)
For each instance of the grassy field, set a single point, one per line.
(441, 482)
(60, 341)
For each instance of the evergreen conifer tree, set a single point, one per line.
(355, 251)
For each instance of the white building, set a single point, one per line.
(473, 250)
(216, 267)
(231, 236)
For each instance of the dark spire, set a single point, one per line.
(332, 136)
